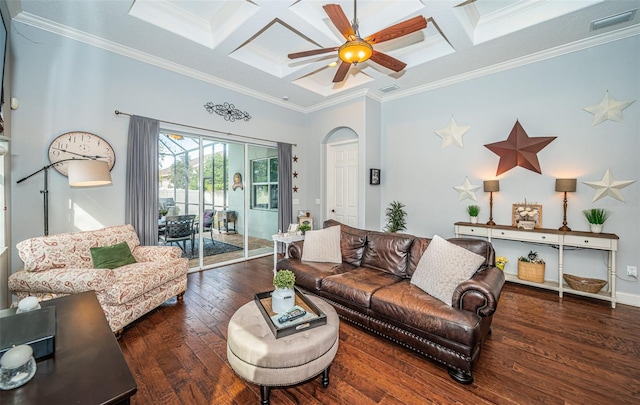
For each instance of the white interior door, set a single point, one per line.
(342, 183)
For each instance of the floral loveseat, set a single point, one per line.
(62, 264)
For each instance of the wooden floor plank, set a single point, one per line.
(542, 350)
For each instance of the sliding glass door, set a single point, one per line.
(236, 213)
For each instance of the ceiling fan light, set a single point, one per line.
(355, 51)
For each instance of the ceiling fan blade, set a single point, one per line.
(398, 30)
(311, 53)
(342, 72)
(387, 61)
(340, 20)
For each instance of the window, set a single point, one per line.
(264, 183)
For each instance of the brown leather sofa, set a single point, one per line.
(371, 288)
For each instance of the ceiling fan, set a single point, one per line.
(358, 49)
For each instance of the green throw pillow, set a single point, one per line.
(110, 257)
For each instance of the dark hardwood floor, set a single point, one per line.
(542, 351)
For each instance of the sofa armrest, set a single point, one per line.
(295, 249)
(61, 280)
(156, 253)
(480, 294)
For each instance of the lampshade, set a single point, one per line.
(88, 173)
(568, 185)
(491, 185)
(355, 51)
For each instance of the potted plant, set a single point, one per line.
(531, 267)
(596, 218)
(283, 297)
(396, 217)
(473, 211)
(304, 228)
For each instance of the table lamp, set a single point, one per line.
(565, 185)
(491, 186)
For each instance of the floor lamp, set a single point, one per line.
(82, 173)
(490, 186)
(565, 185)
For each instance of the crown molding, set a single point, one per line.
(525, 60)
(93, 40)
(90, 39)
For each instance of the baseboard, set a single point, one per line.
(628, 299)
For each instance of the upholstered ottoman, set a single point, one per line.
(258, 357)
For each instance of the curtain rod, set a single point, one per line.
(204, 129)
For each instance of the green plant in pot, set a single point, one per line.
(473, 211)
(304, 228)
(283, 297)
(596, 218)
(396, 215)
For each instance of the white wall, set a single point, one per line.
(64, 85)
(547, 98)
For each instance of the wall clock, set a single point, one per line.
(79, 145)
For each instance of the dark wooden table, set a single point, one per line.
(88, 366)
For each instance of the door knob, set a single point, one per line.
(333, 210)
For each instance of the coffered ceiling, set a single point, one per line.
(243, 45)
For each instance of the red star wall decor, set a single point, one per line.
(519, 150)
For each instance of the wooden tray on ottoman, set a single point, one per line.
(318, 318)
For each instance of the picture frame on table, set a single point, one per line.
(293, 228)
(526, 216)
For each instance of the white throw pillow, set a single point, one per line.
(322, 245)
(442, 267)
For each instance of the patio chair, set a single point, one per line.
(180, 228)
(207, 222)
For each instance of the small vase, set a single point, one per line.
(283, 299)
(474, 220)
(596, 228)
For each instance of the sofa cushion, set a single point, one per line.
(415, 254)
(405, 303)
(387, 252)
(358, 285)
(352, 242)
(443, 266)
(309, 275)
(137, 279)
(110, 257)
(322, 246)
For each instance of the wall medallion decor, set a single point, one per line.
(228, 111)
(452, 134)
(608, 109)
(608, 187)
(519, 150)
(526, 216)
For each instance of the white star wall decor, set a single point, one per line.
(608, 187)
(608, 109)
(467, 190)
(452, 134)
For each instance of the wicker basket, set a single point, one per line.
(590, 285)
(531, 271)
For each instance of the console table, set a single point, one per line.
(555, 238)
(87, 366)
